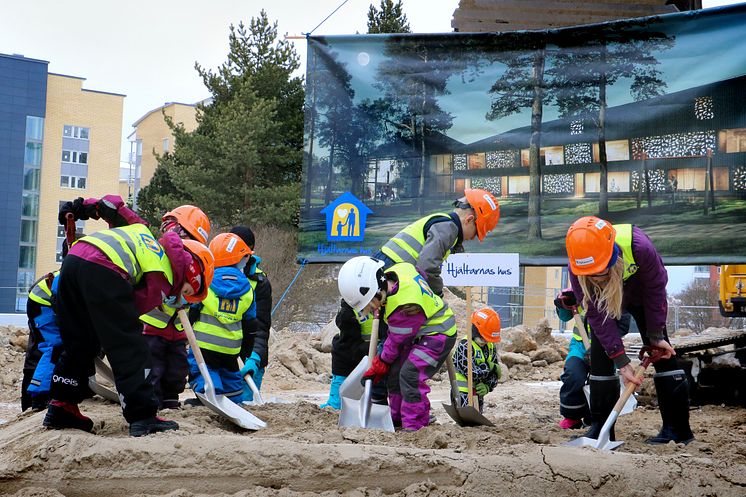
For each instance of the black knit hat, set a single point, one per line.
(246, 235)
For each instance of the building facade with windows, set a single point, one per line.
(58, 141)
(153, 136)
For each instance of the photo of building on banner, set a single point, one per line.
(639, 121)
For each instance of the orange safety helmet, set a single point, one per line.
(487, 323)
(228, 249)
(486, 207)
(203, 274)
(590, 245)
(193, 220)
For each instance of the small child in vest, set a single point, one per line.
(485, 369)
(255, 346)
(161, 327)
(107, 281)
(573, 403)
(426, 244)
(44, 343)
(218, 320)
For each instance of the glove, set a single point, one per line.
(481, 389)
(251, 366)
(175, 301)
(497, 370)
(566, 300)
(79, 210)
(106, 211)
(377, 371)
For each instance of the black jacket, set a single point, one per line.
(256, 331)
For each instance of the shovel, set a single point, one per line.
(463, 416)
(104, 371)
(357, 408)
(603, 441)
(250, 381)
(219, 404)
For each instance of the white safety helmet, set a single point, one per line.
(359, 280)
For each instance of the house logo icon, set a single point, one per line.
(345, 219)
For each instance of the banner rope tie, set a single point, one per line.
(302, 265)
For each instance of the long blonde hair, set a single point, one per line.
(607, 294)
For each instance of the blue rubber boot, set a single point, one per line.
(334, 401)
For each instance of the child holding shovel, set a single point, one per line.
(485, 328)
(109, 279)
(422, 331)
(163, 331)
(573, 403)
(425, 244)
(615, 269)
(218, 320)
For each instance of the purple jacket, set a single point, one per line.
(645, 289)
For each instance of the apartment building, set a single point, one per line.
(58, 141)
(153, 137)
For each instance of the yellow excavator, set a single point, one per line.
(732, 300)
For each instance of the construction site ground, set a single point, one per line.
(302, 452)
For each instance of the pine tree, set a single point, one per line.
(389, 18)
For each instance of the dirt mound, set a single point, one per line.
(13, 342)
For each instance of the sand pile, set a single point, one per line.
(302, 452)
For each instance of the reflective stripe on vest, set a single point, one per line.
(40, 291)
(413, 289)
(406, 245)
(133, 249)
(219, 325)
(624, 240)
(160, 317)
(479, 358)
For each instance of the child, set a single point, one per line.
(425, 244)
(573, 404)
(163, 331)
(219, 319)
(485, 329)
(422, 331)
(44, 343)
(108, 280)
(255, 346)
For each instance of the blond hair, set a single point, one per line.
(606, 294)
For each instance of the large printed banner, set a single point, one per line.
(639, 121)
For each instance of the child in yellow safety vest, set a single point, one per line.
(486, 371)
(218, 320)
(163, 331)
(107, 281)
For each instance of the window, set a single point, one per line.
(31, 179)
(69, 131)
(476, 161)
(34, 128)
(74, 157)
(28, 231)
(165, 144)
(27, 258)
(33, 154)
(30, 205)
(78, 182)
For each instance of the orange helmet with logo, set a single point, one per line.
(487, 323)
(590, 245)
(228, 249)
(200, 271)
(486, 207)
(193, 220)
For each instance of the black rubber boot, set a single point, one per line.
(61, 415)
(604, 394)
(151, 425)
(672, 388)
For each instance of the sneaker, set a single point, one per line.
(570, 424)
(151, 425)
(61, 415)
(432, 419)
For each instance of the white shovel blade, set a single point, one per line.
(352, 387)
(103, 391)
(222, 405)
